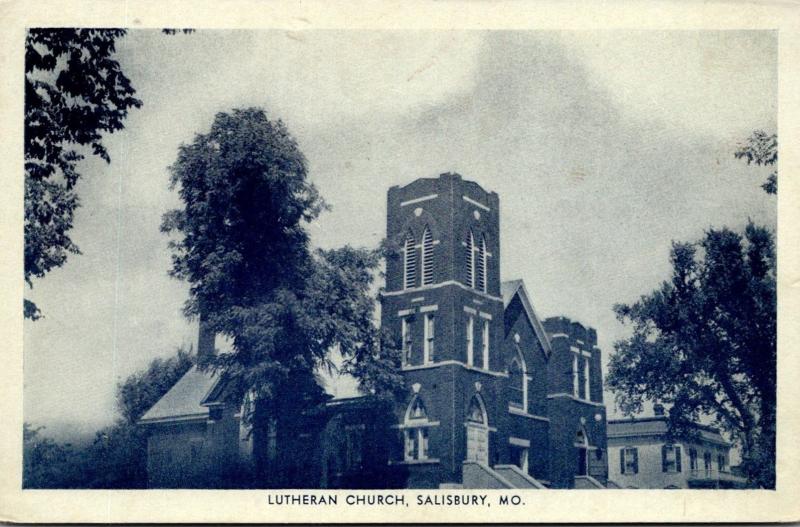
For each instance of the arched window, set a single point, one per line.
(480, 266)
(409, 262)
(416, 426)
(476, 413)
(427, 257)
(470, 259)
(518, 379)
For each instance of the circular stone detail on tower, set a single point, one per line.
(476, 214)
(418, 212)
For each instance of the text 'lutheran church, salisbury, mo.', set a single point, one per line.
(496, 398)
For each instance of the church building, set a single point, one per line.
(496, 397)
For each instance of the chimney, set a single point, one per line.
(658, 409)
(205, 343)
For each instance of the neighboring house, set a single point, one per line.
(496, 398)
(642, 457)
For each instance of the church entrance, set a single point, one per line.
(477, 432)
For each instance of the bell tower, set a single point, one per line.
(443, 302)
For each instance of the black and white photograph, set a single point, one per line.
(448, 261)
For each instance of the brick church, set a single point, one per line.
(496, 397)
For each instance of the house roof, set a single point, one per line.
(657, 426)
(184, 400)
(511, 288)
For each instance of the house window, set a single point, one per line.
(670, 458)
(485, 344)
(629, 460)
(692, 459)
(575, 379)
(518, 379)
(409, 263)
(354, 455)
(407, 339)
(586, 383)
(427, 257)
(416, 432)
(707, 461)
(721, 463)
(470, 262)
(428, 351)
(470, 341)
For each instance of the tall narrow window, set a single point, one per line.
(407, 340)
(586, 382)
(670, 458)
(480, 266)
(485, 344)
(629, 460)
(409, 263)
(427, 257)
(516, 379)
(484, 265)
(471, 341)
(416, 431)
(470, 259)
(575, 378)
(692, 459)
(429, 351)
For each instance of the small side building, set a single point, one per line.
(642, 456)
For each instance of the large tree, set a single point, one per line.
(75, 91)
(242, 245)
(705, 343)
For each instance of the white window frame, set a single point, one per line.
(471, 341)
(406, 342)
(429, 348)
(625, 461)
(575, 379)
(586, 381)
(416, 432)
(520, 359)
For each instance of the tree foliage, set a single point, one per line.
(117, 457)
(75, 92)
(242, 245)
(140, 391)
(705, 343)
(761, 148)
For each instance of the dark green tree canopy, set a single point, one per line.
(705, 342)
(244, 249)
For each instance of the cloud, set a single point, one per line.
(602, 147)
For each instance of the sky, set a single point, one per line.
(603, 147)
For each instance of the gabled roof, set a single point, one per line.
(509, 290)
(183, 402)
(657, 426)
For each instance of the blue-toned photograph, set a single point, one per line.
(396, 259)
